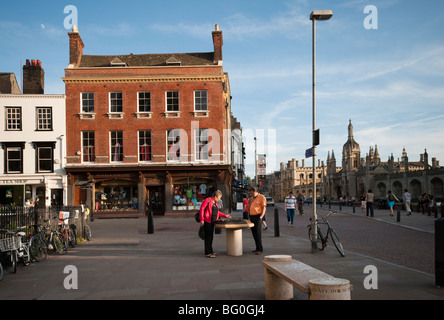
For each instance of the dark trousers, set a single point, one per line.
(209, 232)
(256, 231)
(370, 208)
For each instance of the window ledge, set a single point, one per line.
(201, 114)
(172, 114)
(115, 115)
(144, 115)
(87, 116)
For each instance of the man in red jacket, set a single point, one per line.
(209, 213)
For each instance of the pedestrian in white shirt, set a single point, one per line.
(407, 197)
(290, 206)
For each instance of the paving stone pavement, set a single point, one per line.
(124, 262)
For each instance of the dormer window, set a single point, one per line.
(117, 62)
(173, 61)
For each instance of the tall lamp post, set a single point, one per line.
(315, 15)
(255, 162)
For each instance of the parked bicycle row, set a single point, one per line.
(32, 243)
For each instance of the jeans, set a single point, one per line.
(290, 215)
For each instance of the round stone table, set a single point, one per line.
(234, 235)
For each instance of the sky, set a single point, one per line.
(379, 64)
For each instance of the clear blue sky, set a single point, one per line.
(389, 81)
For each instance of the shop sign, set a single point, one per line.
(13, 181)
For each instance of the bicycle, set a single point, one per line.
(37, 245)
(86, 229)
(67, 233)
(16, 249)
(9, 255)
(322, 241)
(54, 239)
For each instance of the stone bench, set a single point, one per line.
(282, 273)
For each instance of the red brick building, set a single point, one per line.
(147, 130)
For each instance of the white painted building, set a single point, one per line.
(32, 149)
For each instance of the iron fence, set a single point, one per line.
(12, 218)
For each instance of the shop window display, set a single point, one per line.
(189, 196)
(116, 196)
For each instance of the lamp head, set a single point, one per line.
(321, 15)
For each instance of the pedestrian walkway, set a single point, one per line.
(416, 221)
(125, 262)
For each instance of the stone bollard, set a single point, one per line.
(329, 289)
(275, 287)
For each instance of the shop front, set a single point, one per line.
(24, 191)
(177, 191)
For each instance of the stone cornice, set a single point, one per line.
(32, 96)
(203, 78)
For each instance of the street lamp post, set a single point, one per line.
(315, 15)
(255, 162)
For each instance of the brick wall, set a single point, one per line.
(105, 82)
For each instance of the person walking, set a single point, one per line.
(209, 213)
(363, 204)
(257, 209)
(407, 197)
(300, 201)
(290, 206)
(245, 214)
(391, 198)
(369, 198)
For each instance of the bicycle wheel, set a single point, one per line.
(26, 258)
(87, 231)
(320, 243)
(72, 238)
(38, 249)
(337, 242)
(65, 237)
(59, 243)
(13, 260)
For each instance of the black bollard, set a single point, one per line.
(398, 216)
(439, 252)
(329, 204)
(354, 210)
(150, 220)
(276, 223)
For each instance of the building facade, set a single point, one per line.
(149, 131)
(296, 177)
(32, 143)
(358, 174)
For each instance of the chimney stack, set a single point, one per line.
(217, 43)
(75, 46)
(33, 77)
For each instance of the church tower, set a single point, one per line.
(351, 153)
